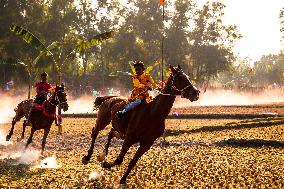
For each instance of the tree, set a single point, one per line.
(33, 41)
(281, 16)
(176, 42)
(211, 43)
(269, 70)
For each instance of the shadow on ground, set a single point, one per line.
(229, 126)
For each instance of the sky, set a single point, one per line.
(258, 21)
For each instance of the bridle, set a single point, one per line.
(175, 88)
(56, 99)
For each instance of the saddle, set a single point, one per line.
(40, 107)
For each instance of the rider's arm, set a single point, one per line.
(151, 80)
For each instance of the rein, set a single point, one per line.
(51, 103)
(174, 88)
(52, 115)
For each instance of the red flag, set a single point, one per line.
(162, 2)
(250, 70)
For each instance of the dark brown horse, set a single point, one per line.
(43, 117)
(144, 124)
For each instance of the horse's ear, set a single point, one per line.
(62, 85)
(173, 70)
(179, 67)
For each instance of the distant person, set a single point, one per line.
(42, 90)
(95, 93)
(141, 81)
(110, 91)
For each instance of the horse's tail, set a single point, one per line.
(99, 100)
(22, 109)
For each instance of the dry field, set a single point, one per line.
(198, 153)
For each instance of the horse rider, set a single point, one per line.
(141, 81)
(42, 90)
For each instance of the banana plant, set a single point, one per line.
(33, 41)
(28, 37)
(83, 45)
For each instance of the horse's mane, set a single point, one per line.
(100, 99)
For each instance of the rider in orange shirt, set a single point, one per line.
(140, 91)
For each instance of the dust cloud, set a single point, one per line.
(15, 154)
(229, 97)
(84, 104)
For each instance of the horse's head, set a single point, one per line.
(182, 84)
(60, 97)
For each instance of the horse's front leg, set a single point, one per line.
(46, 132)
(102, 121)
(141, 150)
(94, 135)
(111, 134)
(30, 138)
(127, 143)
(8, 137)
(23, 132)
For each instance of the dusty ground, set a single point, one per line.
(211, 153)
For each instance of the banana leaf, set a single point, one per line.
(150, 68)
(28, 37)
(83, 45)
(117, 73)
(48, 53)
(132, 67)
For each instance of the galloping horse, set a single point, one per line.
(42, 117)
(144, 124)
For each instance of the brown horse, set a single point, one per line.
(144, 124)
(40, 118)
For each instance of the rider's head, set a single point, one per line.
(139, 67)
(43, 77)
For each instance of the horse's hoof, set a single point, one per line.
(85, 161)
(123, 183)
(123, 186)
(19, 139)
(101, 157)
(8, 137)
(106, 165)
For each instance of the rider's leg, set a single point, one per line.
(38, 100)
(128, 107)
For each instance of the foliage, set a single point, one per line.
(194, 37)
(84, 45)
(29, 38)
(281, 16)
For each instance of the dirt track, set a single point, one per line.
(200, 153)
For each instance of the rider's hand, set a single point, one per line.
(160, 88)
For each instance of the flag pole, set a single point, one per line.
(163, 1)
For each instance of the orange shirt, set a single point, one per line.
(140, 87)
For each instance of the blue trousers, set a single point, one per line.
(131, 105)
